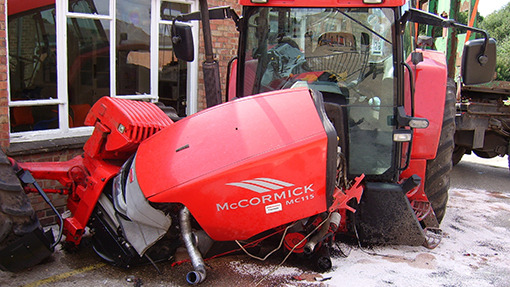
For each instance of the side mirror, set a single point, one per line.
(182, 41)
(478, 67)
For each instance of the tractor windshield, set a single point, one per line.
(347, 55)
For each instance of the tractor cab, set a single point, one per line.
(348, 55)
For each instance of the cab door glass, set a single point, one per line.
(347, 55)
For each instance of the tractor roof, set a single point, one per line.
(323, 3)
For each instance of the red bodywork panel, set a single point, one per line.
(429, 97)
(261, 158)
(232, 85)
(430, 93)
(323, 3)
(85, 178)
(120, 126)
(418, 167)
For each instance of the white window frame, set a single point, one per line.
(62, 14)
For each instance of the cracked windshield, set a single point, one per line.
(346, 54)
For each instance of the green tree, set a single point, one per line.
(497, 25)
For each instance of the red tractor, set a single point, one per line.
(336, 128)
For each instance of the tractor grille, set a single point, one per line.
(121, 125)
(142, 119)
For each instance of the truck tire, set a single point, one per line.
(485, 154)
(437, 178)
(458, 153)
(17, 217)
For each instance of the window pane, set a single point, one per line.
(33, 118)
(172, 71)
(172, 74)
(32, 56)
(133, 42)
(88, 62)
(92, 6)
(370, 139)
(171, 10)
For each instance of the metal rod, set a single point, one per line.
(206, 28)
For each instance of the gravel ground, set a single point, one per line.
(475, 251)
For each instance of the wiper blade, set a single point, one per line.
(364, 26)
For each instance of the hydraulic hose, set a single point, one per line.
(199, 274)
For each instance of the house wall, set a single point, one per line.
(4, 95)
(225, 39)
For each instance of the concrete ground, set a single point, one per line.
(481, 176)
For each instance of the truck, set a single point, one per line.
(482, 111)
(333, 130)
(482, 121)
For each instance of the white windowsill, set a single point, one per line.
(22, 137)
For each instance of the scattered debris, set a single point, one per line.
(132, 279)
(310, 277)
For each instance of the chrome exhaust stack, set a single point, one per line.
(199, 274)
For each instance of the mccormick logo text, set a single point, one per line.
(272, 192)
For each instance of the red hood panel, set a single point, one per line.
(259, 158)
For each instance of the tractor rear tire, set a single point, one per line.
(437, 178)
(17, 216)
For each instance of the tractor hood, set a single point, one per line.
(260, 157)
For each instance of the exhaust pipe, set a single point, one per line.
(333, 222)
(199, 274)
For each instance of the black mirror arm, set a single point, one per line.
(216, 13)
(175, 39)
(482, 57)
(422, 17)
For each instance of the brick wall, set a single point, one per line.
(4, 110)
(43, 210)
